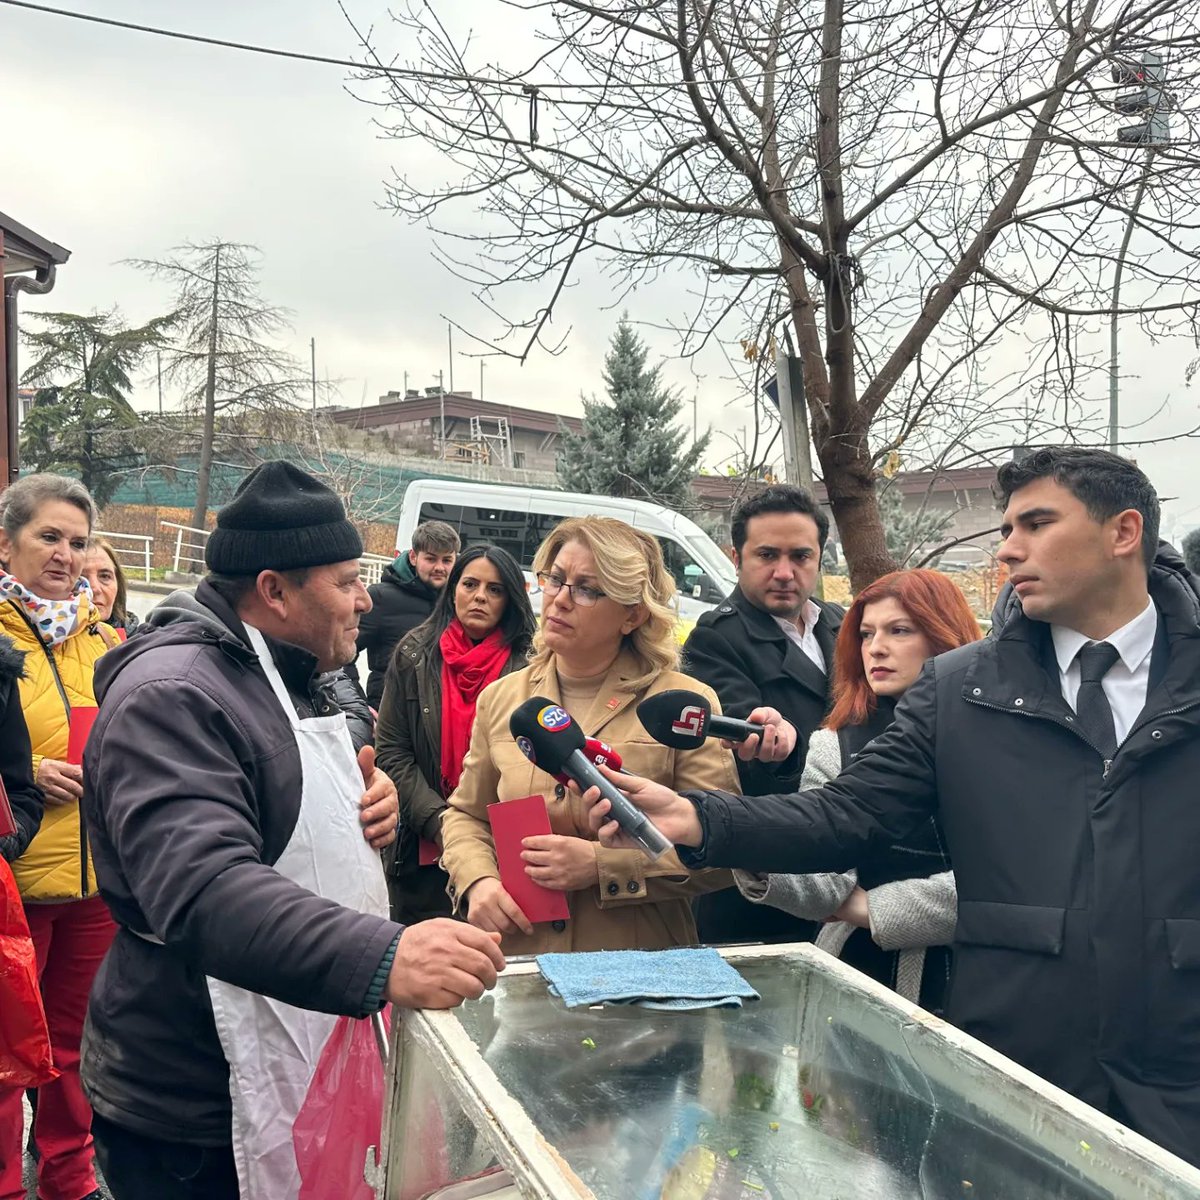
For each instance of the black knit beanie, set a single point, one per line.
(280, 518)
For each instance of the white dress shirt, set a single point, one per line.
(806, 639)
(1128, 679)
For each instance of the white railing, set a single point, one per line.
(370, 567)
(188, 554)
(188, 540)
(135, 557)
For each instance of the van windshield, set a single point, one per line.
(521, 533)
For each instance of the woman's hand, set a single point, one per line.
(492, 909)
(855, 909)
(563, 864)
(62, 782)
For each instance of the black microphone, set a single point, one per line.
(550, 739)
(682, 720)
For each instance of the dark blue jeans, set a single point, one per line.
(143, 1168)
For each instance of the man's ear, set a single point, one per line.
(412, 559)
(271, 588)
(737, 559)
(1127, 529)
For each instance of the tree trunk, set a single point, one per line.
(840, 425)
(204, 471)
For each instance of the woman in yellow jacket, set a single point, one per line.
(46, 609)
(606, 642)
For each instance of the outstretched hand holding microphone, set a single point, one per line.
(682, 720)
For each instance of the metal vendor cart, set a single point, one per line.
(829, 1088)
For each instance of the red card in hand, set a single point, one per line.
(8, 824)
(82, 720)
(427, 852)
(512, 821)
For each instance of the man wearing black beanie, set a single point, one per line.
(238, 852)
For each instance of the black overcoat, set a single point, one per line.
(1077, 950)
(746, 658)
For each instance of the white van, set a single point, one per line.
(519, 518)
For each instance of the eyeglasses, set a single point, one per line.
(583, 594)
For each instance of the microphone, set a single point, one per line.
(682, 720)
(546, 734)
(596, 752)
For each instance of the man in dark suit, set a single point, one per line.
(769, 644)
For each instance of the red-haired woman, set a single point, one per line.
(892, 916)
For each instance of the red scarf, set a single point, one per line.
(467, 668)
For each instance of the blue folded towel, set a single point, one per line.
(667, 979)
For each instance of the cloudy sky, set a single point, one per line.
(119, 144)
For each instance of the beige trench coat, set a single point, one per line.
(638, 904)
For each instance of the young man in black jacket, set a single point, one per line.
(230, 823)
(1061, 755)
(403, 598)
(769, 645)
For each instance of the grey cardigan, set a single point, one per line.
(906, 916)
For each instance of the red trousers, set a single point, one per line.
(71, 940)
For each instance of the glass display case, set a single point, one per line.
(828, 1088)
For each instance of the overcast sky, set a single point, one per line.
(118, 144)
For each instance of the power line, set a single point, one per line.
(297, 55)
(273, 51)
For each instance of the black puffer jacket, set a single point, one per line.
(1077, 950)
(192, 785)
(16, 757)
(401, 600)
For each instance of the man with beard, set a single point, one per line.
(770, 644)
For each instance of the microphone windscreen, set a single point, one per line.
(545, 733)
(677, 718)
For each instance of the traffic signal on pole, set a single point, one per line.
(1148, 100)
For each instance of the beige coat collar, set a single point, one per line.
(615, 695)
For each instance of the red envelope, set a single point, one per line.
(512, 821)
(427, 852)
(82, 720)
(8, 823)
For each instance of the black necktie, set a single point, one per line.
(1091, 705)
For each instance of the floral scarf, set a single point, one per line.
(54, 620)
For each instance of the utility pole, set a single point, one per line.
(481, 379)
(312, 343)
(442, 405)
(1114, 383)
(1152, 104)
(793, 416)
(158, 358)
(450, 348)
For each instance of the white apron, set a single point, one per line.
(273, 1048)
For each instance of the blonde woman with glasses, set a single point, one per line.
(606, 642)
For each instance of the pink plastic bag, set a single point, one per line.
(342, 1115)
(24, 1039)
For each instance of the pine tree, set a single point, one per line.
(224, 358)
(630, 444)
(910, 531)
(82, 422)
